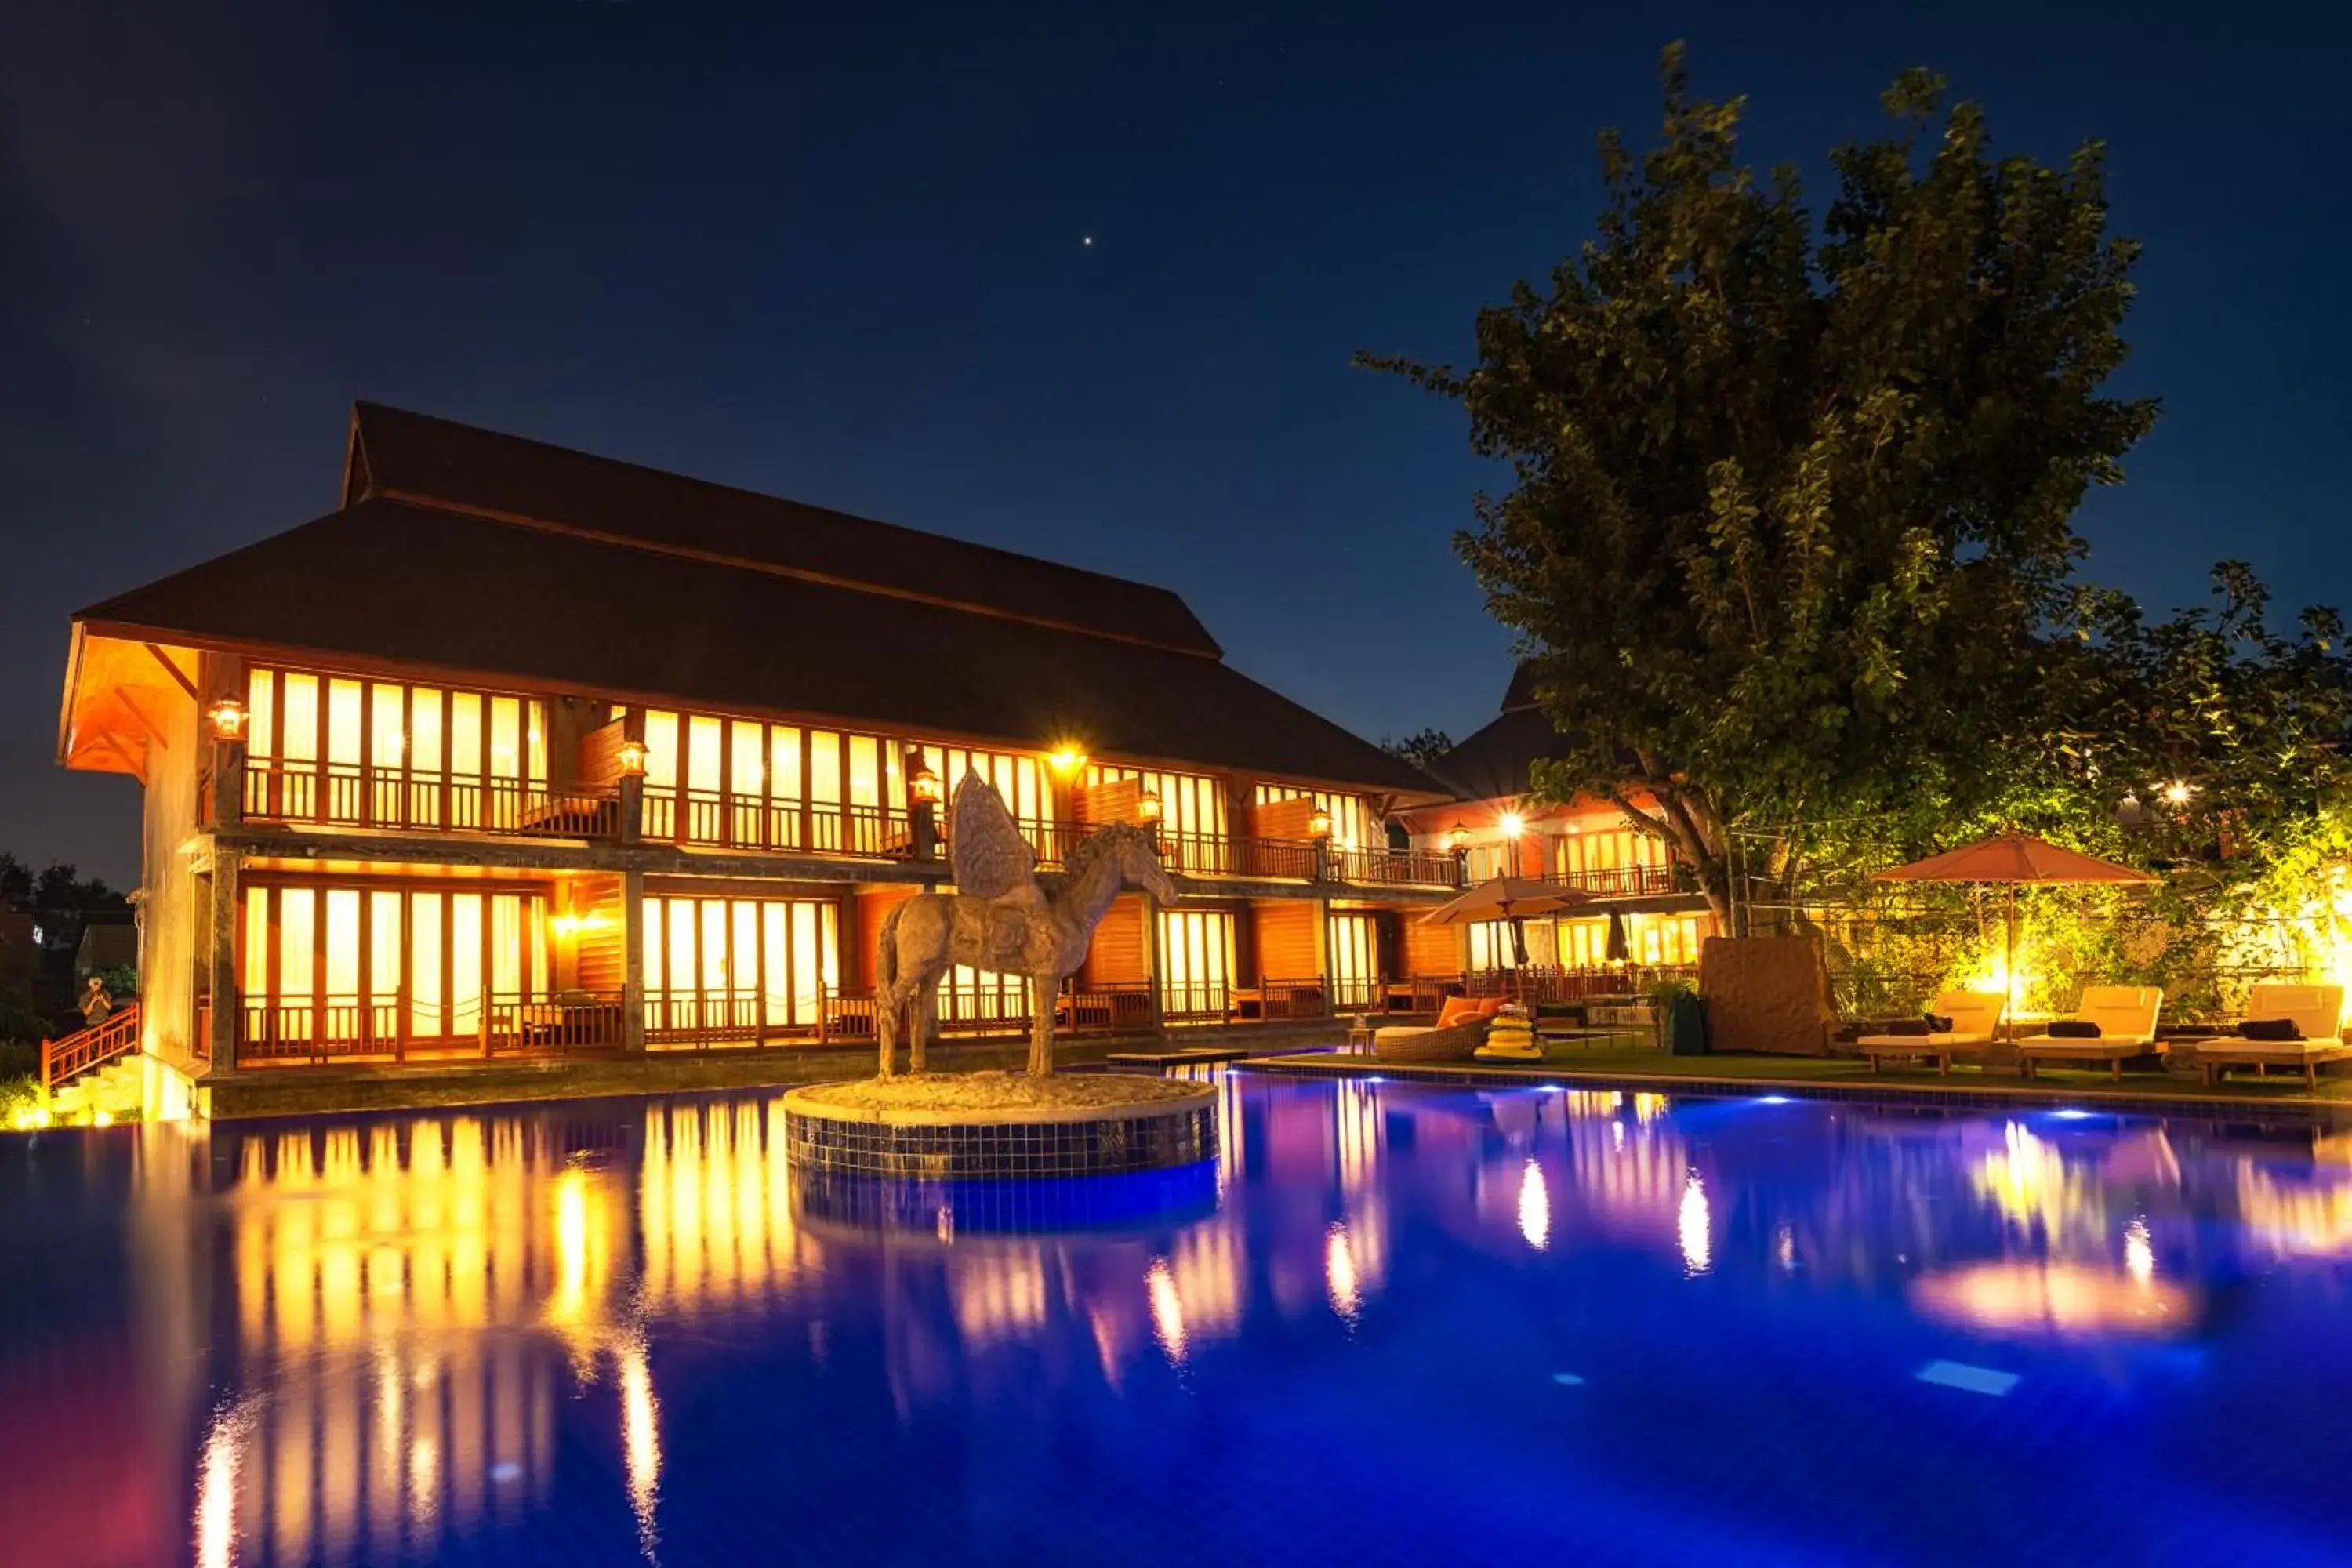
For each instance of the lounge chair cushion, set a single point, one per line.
(1458, 1010)
(2271, 1029)
(1907, 1027)
(2074, 1029)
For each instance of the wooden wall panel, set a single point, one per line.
(1108, 802)
(1291, 819)
(1430, 949)
(600, 756)
(1118, 954)
(1288, 935)
(860, 932)
(600, 953)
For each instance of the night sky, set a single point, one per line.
(847, 262)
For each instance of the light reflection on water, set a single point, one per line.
(406, 1337)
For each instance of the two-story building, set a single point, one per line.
(522, 751)
(1644, 916)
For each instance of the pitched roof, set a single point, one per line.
(400, 455)
(1492, 763)
(387, 579)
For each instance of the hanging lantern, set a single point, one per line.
(1319, 824)
(1147, 808)
(925, 787)
(1457, 836)
(228, 719)
(633, 759)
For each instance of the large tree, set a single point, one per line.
(1792, 501)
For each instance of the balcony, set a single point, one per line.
(339, 794)
(1621, 881)
(316, 1030)
(707, 819)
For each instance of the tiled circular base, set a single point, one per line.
(1142, 1203)
(1109, 1141)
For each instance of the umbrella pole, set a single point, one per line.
(2009, 962)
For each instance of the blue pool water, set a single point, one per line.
(1393, 1325)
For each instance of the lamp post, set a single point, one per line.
(924, 793)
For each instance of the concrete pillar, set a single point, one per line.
(633, 963)
(227, 1019)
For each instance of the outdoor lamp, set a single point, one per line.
(228, 719)
(925, 787)
(1067, 760)
(1513, 824)
(1457, 836)
(1319, 824)
(2177, 792)
(633, 758)
(1147, 808)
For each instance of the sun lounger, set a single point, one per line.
(1976, 1021)
(2125, 1015)
(2316, 1010)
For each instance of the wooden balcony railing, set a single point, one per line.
(1396, 868)
(706, 817)
(570, 1023)
(1273, 1001)
(704, 1017)
(1196, 1001)
(1544, 984)
(336, 794)
(501, 1024)
(86, 1050)
(1620, 882)
(1110, 1007)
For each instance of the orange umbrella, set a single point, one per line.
(2014, 858)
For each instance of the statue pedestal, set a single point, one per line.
(999, 1127)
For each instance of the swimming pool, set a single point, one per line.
(1390, 1323)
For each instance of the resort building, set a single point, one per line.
(1644, 916)
(524, 752)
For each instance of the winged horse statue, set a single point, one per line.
(1000, 921)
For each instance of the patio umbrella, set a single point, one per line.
(2015, 860)
(1618, 949)
(1511, 899)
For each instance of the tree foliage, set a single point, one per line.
(1791, 503)
(1421, 748)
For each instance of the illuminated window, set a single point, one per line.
(1355, 959)
(343, 750)
(352, 966)
(1196, 962)
(737, 966)
(1191, 805)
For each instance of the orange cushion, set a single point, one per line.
(1460, 1010)
(1490, 1005)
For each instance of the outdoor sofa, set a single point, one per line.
(1976, 1023)
(2317, 1014)
(2125, 1016)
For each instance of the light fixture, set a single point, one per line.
(633, 759)
(924, 786)
(2177, 792)
(1147, 808)
(1067, 760)
(1513, 824)
(1456, 836)
(228, 719)
(570, 925)
(1319, 824)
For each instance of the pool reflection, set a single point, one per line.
(426, 1330)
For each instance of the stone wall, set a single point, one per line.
(1766, 993)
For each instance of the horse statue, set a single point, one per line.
(1018, 929)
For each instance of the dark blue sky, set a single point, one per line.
(844, 262)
